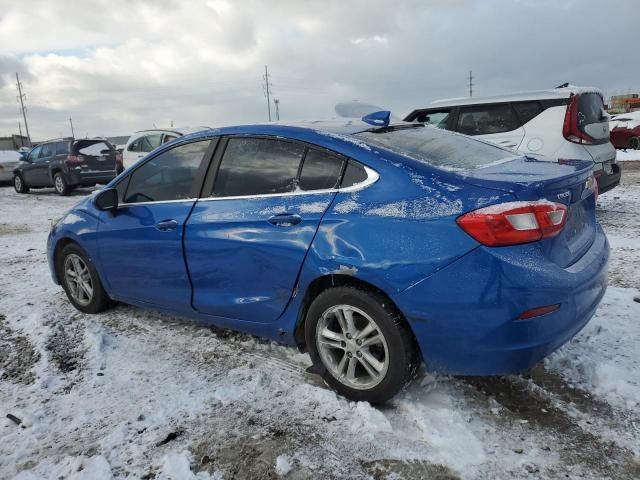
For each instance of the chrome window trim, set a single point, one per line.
(372, 177)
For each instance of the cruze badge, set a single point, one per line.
(564, 195)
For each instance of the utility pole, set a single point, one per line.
(277, 102)
(20, 130)
(71, 123)
(21, 97)
(470, 83)
(266, 86)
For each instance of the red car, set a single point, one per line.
(625, 132)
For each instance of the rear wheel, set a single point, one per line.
(634, 143)
(80, 281)
(19, 185)
(60, 184)
(364, 346)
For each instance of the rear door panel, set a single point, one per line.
(244, 254)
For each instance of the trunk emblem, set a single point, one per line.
(564, 195)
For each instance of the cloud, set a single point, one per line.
(118, 66)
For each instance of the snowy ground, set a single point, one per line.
(137, 394)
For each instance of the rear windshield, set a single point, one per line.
(91, 147)
(590, 108)
(438, 147)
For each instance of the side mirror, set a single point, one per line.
(107, 200)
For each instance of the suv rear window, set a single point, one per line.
(91, 147)
(438, 147)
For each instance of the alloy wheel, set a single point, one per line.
(59, 184)
(17, 182)
(352, 347)
(78, 279)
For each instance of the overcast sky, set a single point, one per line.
(117, 66)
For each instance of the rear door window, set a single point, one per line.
(48, 150)
(168, 176)
(439, 118)
(320, 171)
(257, 166)
(487, 119)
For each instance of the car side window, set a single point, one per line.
(320, 171)
(168, 176)
(438, 118)
(257, 166)
(353, 174)
(527, 111)
(62, 148)
(487, 119)
(168, 138)
(48, 150)
(150, 142)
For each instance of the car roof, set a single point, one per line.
(548, 94)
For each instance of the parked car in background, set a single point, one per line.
(346, 239)
(145, 141)
(66, 163)
(625, 131)
(567, 122)
(9, 159)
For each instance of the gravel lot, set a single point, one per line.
(137, 394)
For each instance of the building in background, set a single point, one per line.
(624, 103)
(14, 142)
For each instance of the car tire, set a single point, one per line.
(634, 143)
(360, 344)
(19, 185)
(60, 184)
(80, 280)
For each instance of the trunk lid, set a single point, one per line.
(565, 182)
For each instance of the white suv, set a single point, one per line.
(561, 123)
(144, 141)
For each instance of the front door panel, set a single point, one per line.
(140, 248)
(244, 254)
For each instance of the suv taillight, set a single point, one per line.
(570, 129)
(513, 223)
(73, 159)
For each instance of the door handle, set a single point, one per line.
(285, 220)
(167, 225)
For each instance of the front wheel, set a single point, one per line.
(60, 184)
(634, 143)
(19, 185)
(80, 281)
(364, 345)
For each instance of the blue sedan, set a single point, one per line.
(371, 245)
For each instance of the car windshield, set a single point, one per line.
(437, 147)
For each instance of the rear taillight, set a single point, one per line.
(570, 129)
(73, 159)
(513, 223)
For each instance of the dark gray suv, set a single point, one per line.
(67, 163)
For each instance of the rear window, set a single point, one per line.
(437, 147)
(91, 147)
(590, 107)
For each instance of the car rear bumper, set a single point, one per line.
(465, 316)
(78, 177)
(607, 181)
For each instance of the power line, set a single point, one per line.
(277, 102)
(471, 83)
(21, 97)
(266, 85)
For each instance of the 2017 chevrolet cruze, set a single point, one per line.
(371, 245)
